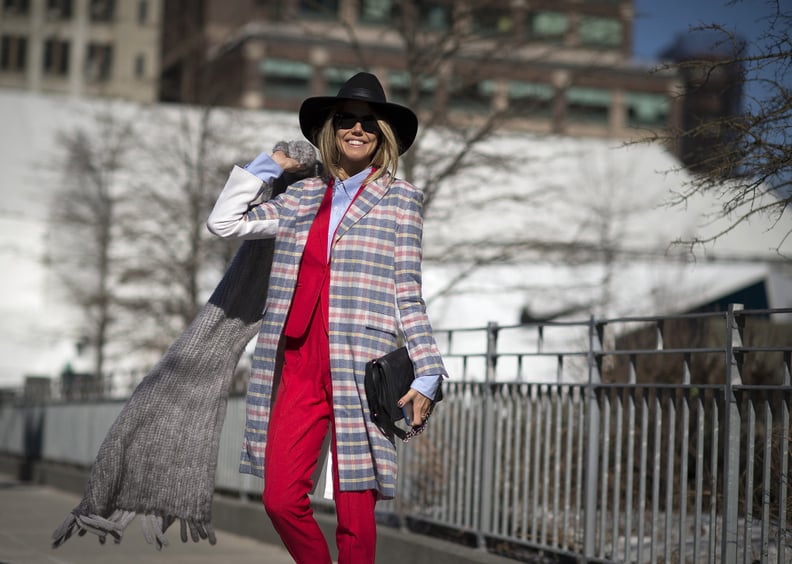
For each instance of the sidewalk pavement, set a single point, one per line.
(30, 513)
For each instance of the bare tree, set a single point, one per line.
(128, 237)
(448, 79)
(750, 172)
(182, 168)
(444, 69)
(86, 225)
(447, 72)
(580, 208)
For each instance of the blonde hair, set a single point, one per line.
(385, 158)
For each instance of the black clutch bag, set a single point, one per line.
(387, 379)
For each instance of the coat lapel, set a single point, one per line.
(367, 199)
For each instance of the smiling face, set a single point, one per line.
(356, 145)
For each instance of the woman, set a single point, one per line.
(346, 279)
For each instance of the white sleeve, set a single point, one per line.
(229, 218)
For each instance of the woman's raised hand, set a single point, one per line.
(287, 163)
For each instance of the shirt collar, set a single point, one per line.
(352, 184)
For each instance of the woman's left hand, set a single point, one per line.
(420, 406)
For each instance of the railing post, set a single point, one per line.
(592, 443)
(731, 434)
(784, 547)
(488, 436)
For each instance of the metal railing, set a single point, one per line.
(641, 449)
(644, 439)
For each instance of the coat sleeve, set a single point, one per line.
(409, 300)
(230, 218)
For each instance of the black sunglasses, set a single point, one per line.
(344, 120)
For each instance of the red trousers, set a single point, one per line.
(299, 422)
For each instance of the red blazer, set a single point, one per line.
(313, 274)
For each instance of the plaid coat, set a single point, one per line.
(375, 289)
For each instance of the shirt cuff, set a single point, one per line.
(264, 168)
(426, 385)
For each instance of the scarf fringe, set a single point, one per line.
(154, 527)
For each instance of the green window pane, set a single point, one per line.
(530, 99)
(399, 86)
(434, 16)
(519, 89)
(285, 67)
(323, 9)
(285, 79)
(376, 11)
(493, 22)
(588, 104)
(335, 77)
(487, 87)
(401, 79)
(606, 32)
(646, 109)
(588, 96)
(549, 24)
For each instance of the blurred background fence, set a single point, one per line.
(643, 439)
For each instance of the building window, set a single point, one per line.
(142, 12)
(376, 11)
(13, 53)
(16, 7)
(531, 99)
(399, 86)
(475, 97)
(431, 16)
(588, 104)
(434, 15)
(493, 21)
(56, 57)
(600, 32)
(285, 79)
(59, 9)
(102, 10)
(647, 110)
(335, 77)
(99, 62)
(140, 66)
(321, 9)
(547, 26)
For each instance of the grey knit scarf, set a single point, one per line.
(159, 458)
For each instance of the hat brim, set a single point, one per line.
(315, 111)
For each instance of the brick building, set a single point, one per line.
(561, 66)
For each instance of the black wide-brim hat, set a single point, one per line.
(364, 87)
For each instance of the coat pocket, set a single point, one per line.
(380, 322)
